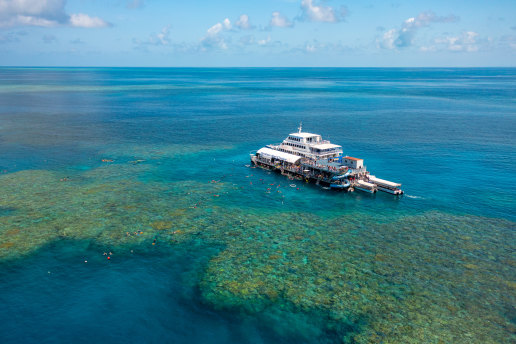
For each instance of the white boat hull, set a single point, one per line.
(365, 190)
(393, 192)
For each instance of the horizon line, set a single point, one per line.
(262, 67)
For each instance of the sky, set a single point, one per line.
(268, 33)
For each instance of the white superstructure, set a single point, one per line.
(308, 145)
(270, 153)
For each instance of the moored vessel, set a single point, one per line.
(307, 156)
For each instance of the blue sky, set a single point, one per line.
(257, 33)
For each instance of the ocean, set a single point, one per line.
(129, 212)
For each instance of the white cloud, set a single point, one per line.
(215, 29)
(162, 38)
(319, 13)
(264, 41)
(388, 39)
(227, 24)
(219, 27)
(404, 37)
(278, 20)
(315, 46)
(428, 48)
(467, 41)
(310, 48)
(250, 40)
(45, 13)
(213, 37)
(84, 20)
(243, 22)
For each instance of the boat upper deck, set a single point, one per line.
(331, 165)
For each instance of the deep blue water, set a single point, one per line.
(449, 135)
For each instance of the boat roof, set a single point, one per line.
(351, 158)
(303, 134)
(326, 146)
(291, 158)
(361, 182)
(383, 181)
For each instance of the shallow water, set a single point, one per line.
(201, 252)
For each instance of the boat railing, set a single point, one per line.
(360, 170)
(298, 169)
(312, 163)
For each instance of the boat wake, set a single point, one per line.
(415, 197)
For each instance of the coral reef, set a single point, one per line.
(431, 277)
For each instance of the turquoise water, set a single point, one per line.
(151, 165)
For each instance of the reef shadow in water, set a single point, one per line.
(282, 322)
(6, 211)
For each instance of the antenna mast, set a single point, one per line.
(300, 126)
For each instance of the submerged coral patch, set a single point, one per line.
(405, 281)
(427, 278)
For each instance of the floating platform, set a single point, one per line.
(332, 173)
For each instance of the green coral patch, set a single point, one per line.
(427, 278)
(410, 279)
